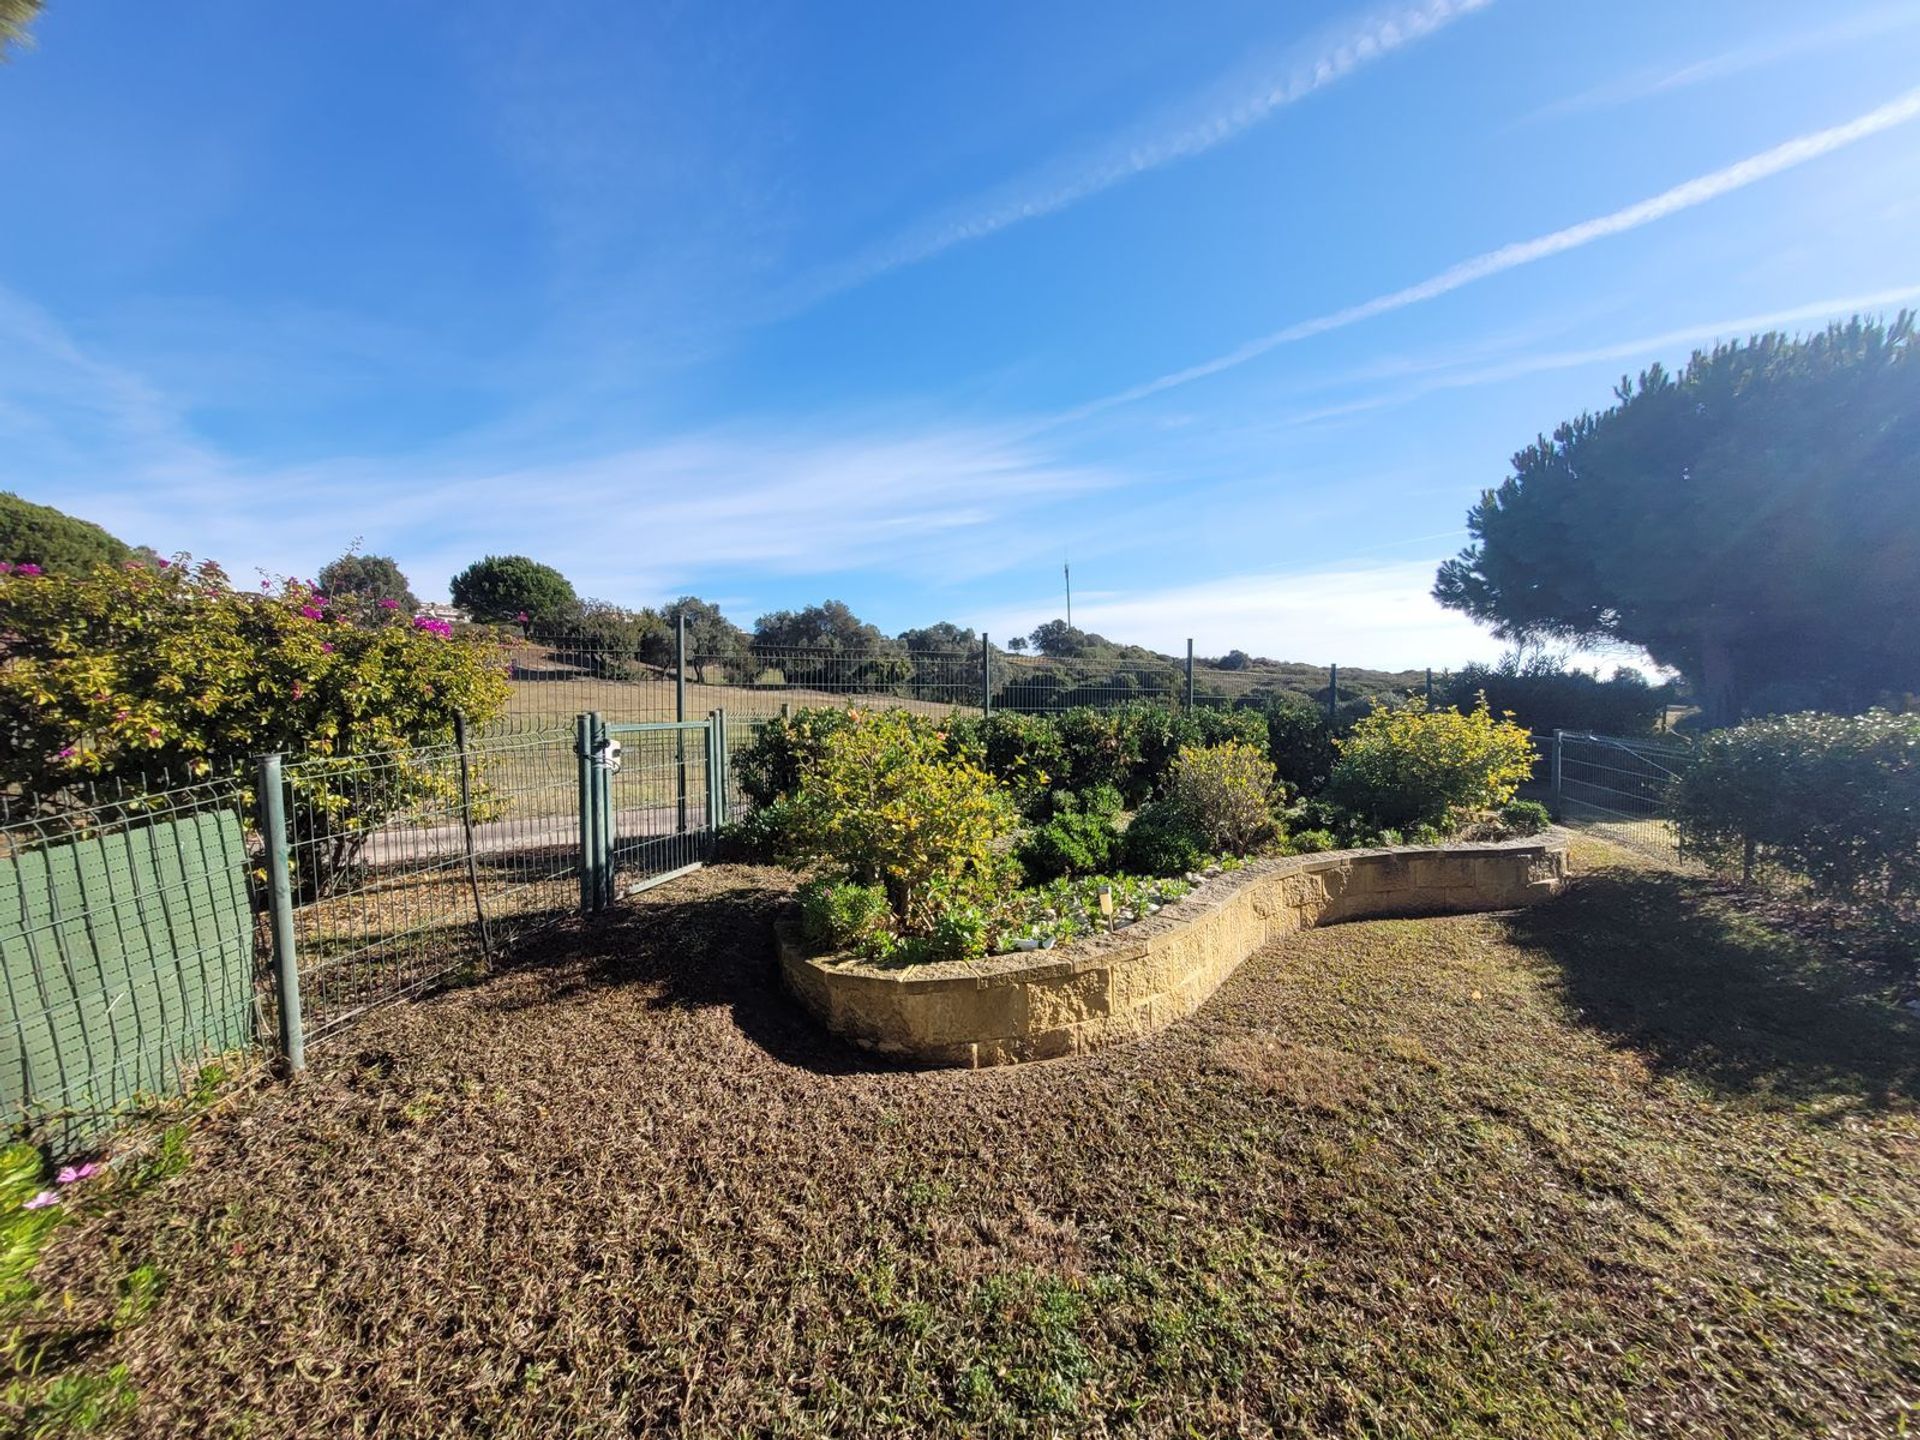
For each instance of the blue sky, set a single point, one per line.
(1240, 304)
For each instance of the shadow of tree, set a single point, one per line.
(1667, 965)
(703, 941)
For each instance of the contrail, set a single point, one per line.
(1117, 162)
(1685, 196)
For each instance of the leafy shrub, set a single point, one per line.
(126, 672)
(1227, 793)
(1102, 800)
(1023, 752)
(1525, 817)
(764, 834)
(1407, 765)
(1311, 842)
(1833, 798)
(1100, 747)
(770, 764)
(612, 642)
(1300, 743)
(1074, 843)
(1162, 840)
(887, 804)
(840, 915)
(959, 933)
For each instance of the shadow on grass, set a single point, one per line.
(696, 943)
(1660, 961)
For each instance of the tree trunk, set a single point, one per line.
(1719, 696)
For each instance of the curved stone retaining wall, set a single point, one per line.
(1036, 1004)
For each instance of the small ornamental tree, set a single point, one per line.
(509, 589)
(1228, 792)
(127, 674)
(367, 577)
(887, 804)
(40, 535)
(1406, 765)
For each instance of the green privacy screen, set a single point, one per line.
(126, 955)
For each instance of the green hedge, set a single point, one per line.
(1832, 798)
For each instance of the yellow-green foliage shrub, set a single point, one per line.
(1227, 793)
(885, 803)
(1406, 765)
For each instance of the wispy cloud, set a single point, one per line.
(1659, 80)
(1230, 109)
(1685, 196)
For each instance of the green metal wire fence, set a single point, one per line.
(127, 948)
(559, 677)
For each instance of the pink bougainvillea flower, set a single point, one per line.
(165, 564)
(389, 604)
(67, 752)
(73, 1174)
(6, 567)
(326, 647)
(522, 617)
(313, 612)
(42, 1200)
(27, 570)
(298, 690)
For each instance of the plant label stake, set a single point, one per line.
(1106, 905)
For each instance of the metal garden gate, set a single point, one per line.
(652, 798)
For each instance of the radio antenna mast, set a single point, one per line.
(1066, 569)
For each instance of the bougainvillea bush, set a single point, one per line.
(134, 673)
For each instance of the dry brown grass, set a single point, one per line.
(1627, 1163)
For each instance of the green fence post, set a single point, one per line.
(713, 769)
(1189, 675)
(603, 811)
(1559, 809)
(986, 676)
(680, 715)
(1429, 687)
(272, 802)
(589, 854)
(1333, 696)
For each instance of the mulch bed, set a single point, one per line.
(1485, 1175)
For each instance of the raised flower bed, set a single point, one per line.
(1108, 986)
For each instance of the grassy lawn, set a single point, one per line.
(1627, 1163)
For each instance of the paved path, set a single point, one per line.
(399, 844)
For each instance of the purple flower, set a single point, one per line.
(6, 567)
(27, 570)
(67, 752)
(313, 612)
(326, 648)
(72, 1175)
(42, 1200)
(165, 564)
(431, 625)
(389, 604)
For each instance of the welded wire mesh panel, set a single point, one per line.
(1038, 684)
(413, 867)
(664, 803)
(1620, 787)
(550, 681)
(127, 943)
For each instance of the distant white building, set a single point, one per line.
(452, 614)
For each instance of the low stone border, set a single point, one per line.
(1036, 1004)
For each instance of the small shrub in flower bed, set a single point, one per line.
(1067, 909)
